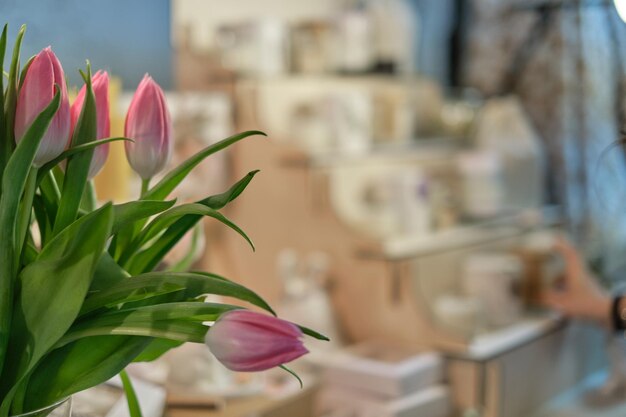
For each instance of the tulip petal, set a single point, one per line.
(247, 341)
(148, 123)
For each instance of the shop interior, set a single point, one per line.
(421, 160)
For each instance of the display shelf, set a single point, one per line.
(493, 344)
(418, 150)
(462, 237)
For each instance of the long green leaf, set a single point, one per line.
(156, 349)
(147, 259)
(131, 397)
(5, 146)
(181, 330)
(81, 365)
(128, 213)
(107, 274)
(52, 291)
(76, 150)
(194, 284)
(78, 164)
(165, 219)
(10, 100)
(13, 184)
(164, 187)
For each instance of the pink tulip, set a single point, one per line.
(36, 93)
(245, 341)
(148, 124)
(100, 84)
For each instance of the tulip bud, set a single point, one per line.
(148, 124)
(36, 93)
(100, 85)
(245, 341)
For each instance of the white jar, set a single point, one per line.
(481, 180)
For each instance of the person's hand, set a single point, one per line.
(580, 297)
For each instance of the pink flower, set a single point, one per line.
(100, 84)
(36, 93)
(148, 123)
(245, 341)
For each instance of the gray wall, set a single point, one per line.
(126, 37)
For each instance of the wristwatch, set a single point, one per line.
(618, 318)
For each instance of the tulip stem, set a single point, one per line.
(26, 209)
(145, 185)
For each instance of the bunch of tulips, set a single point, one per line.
(81, 296)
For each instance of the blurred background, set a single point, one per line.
(422, 158)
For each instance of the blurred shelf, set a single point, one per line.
(495, 343)
(498, 342)
(480, 233)
(422, 149)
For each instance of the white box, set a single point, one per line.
(382, 371)
(430, 402)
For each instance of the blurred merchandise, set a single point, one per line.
(201, 119)
(411, 191)
(460, 314)
(503, 128)
(342, 402)
(259, 48)
(350, 116)
(482, 188)
(542, 266)
(311, 47)
(376, 376)
(353, 46)
(495, 279)
(397, 34)
(305, 299)
(459, 114)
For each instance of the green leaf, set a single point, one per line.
(166, 219)
(219, 201)
(168, 321)
(5, 146)
(128, 213)
(164, 187)
(156, 349)
(147, 259)
(181, 330)
(78, 164)
(50, 194)
(107, 274)
(194, 284)
(10, 101)
(13, 184)
(52, 291)
(24, 71)
(293, 373)
(43, 222)
(187, 261)
(81, 365)
(314, 334)
(131, 397)
(76, 150)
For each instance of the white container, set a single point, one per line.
(481, 179)
(430, 402)
(382, 371)
(354, 50)
(495, 279)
